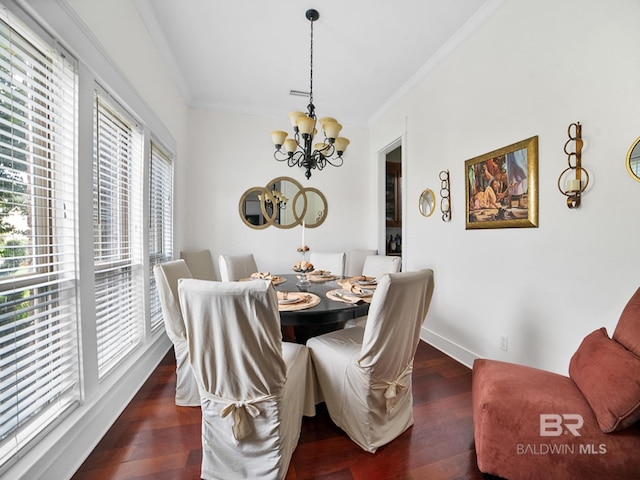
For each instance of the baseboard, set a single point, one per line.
(448, 347)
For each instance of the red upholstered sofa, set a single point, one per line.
(533, 424)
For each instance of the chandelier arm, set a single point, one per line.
(296, 159)
(284, 155)
(335, 161)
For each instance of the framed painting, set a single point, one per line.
(502, 187)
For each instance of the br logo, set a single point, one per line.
(554, 425)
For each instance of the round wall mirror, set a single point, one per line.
(284, 190)
(427, 202)
(252, 209)
(633, 160)
(311, 206)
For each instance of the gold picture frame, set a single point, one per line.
(502, 187)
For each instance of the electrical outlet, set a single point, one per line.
(504, 343)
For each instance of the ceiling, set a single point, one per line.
(246, 55)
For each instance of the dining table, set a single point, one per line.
(318, 317)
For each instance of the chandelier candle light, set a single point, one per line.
(300, 151)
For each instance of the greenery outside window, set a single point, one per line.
(39, 338)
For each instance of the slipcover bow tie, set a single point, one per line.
(393, 388)
(240, 409)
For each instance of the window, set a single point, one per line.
(160, 222)
(39, 360)
(117, 233)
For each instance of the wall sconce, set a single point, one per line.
(445, 201)
(572, 176)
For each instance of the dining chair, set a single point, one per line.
(355, 261)
(254, 387)
(200, 263)
(167, 276)
(236, 267)
(378, 265)
(375, 266)
(333, 262)
(365, 373)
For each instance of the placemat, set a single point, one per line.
(306, 300)
(337, 296)
(346, 283)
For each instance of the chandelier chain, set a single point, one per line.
(311, 67)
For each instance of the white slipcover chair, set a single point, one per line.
(378, 265)
(355, 261)
(375, 266)
(365, 374)
(333, 262)
(167, 276)
(236, 267)
(254, 387)
(200, 263)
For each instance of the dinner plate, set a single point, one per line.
(367, 282)
(289, 301)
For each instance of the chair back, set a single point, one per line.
(398, 309)
(233, 327)
(378, 265)
(333, 262)
(236, 267)
(167, 276)
(200, 263)
(355, 261)
(253, 386)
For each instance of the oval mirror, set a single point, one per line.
(633, 160)
(427, 202)
(252, 208)
(283, 191)
(311, 206)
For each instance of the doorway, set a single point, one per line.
(393, 202)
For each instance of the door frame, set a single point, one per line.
(396, 139)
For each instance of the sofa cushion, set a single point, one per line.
(627, 332)
(608, 375)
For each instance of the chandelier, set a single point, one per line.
(300, 151)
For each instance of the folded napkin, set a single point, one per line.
(364, 278)
(262, 275)
(358, 290)
(337, 296)
(320, 272)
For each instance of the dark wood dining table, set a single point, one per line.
(327, 316)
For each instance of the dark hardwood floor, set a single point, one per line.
(154, 439)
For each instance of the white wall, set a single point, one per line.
(230, 153)
(532, 69)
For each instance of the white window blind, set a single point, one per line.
(160, 222)
(117, 200)
(39, 361)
